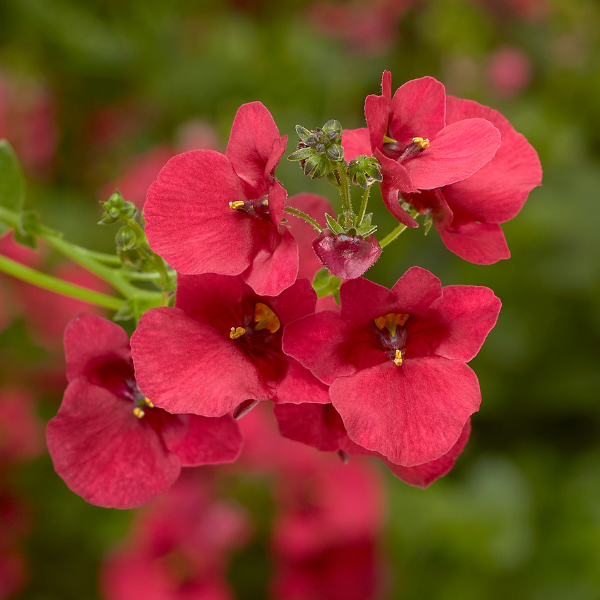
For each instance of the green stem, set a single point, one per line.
(363, 206)
(55, 240)
(344, 187)
(303, 215)
(390, 237)
(159, 263)
(134, 276)
(107, 259)
(54, 284)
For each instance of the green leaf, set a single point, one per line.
(326, 284)
(12, 184)
(301, 154)
(333, 224)
(302, 132)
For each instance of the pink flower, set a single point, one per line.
(367, 26)
(416, 148)
(467, 212)
(396, 361)
(178, 547)
(108, 442)
(509, 71)
(220, 347)
(214, 213)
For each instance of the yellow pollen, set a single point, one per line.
(237, 204)
(388, 140)
(398, 359)
(421, 142)
(265, 318)
(391, 322)
(148, 403)
(139, 412)
(236, 332)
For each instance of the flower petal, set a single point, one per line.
(411, 414)
(330, 346)
(304, 233)
(356, 142)
(506, 180)
(457, 324)
(416, 290)
(479, 243)
(362, 301)
(424, 475)
(185, 366)
(274, 269)
(457, 152)
(104, 453)
(317, 425)
(88, 337)
(300, 386)
(188, 218)
(255, 147)
(377, 113)
(201, 440)
(418, 110)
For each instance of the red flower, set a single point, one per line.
(395, 360)
(466, 210)
(214, 213)
(21, 430)
(325, 535)
(221, 347)
(178, 548)
(320, 426)
(417, 150)
(108, 442)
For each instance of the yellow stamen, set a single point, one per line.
(236, 332)
(265, 318)
(388, 140)
(398, 359)
(148, 403)
(421, 142)
(139, 412)
(391, 322)
(237, 204)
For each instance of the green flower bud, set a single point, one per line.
(126, 238)
(364, 171)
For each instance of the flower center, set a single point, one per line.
(255, 208)
(138, 411)
(401, 152)
(393, 335)
(263, 320)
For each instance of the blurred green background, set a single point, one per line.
(519, 516)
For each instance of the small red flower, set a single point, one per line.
(214, 213)
(346, 256)
(395, 361)
(466, 210)
(416, 148)
(220, 347)
(108, 442)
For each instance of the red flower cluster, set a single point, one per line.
(384, 374)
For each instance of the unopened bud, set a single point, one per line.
(126, 238)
